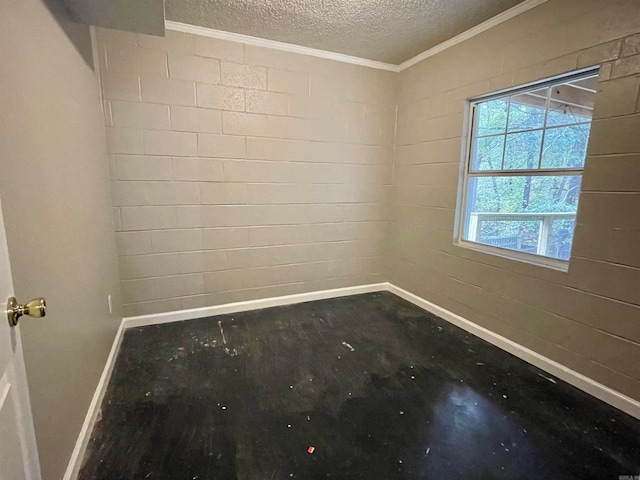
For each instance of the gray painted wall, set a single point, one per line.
(589, 317)
(56, 201)
(242, 172)
(216, 168)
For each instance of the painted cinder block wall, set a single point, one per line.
(241, 172)
(589, 317)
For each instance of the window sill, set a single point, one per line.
(529, 258)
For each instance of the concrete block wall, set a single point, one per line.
(589, 317)
(240, 172)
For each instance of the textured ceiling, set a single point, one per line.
(389, 31)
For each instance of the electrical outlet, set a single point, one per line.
(110, 305)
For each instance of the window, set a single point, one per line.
(523, 169)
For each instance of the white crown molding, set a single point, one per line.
(286, 47)
(472, 32)
(339, 57)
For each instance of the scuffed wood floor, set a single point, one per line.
(379, 388)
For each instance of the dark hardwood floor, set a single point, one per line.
(378, 388)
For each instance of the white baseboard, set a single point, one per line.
(75, 462)
(598, 390)
(193, 313)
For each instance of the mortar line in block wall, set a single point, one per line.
(543, 310)
(623, 302)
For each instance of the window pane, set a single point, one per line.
(528, 214)
(565, 147)
(527, 110)
(523, 150)
(571, 102)
(487, 153)
(560, 238)
(492, 117)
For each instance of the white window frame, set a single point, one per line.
(466, 172)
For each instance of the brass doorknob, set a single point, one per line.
(34, 308)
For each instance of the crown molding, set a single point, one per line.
(286, 47)
(472, 32)
(339, 57)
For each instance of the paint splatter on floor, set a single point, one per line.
(347, 345)
(411, 403)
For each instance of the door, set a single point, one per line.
(18, 453)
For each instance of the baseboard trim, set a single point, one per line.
(75, 462)
(598, 390)
(193, 313)
(593, 388)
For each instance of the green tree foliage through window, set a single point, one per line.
(524, 168)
